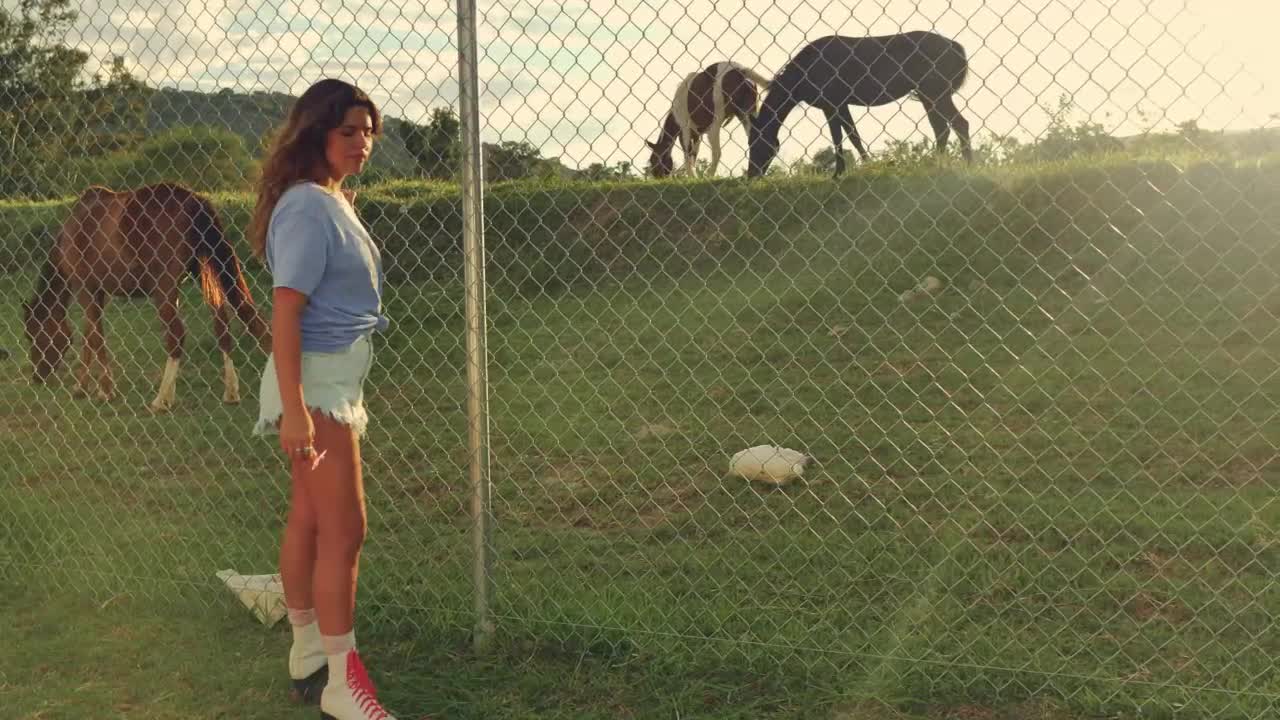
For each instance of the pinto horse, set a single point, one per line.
(704, 102)
(141, 242)
(835, 71)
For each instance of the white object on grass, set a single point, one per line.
(769, 463)
(263, 595)
(928, 286)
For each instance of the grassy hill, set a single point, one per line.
(1048, 485)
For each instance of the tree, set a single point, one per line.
(436, 146)
(599, 171)
(1062, 140)
(120, 104)
(204, 158)
(824, 161)
(38, 79)
(49, 114)
(511, 160)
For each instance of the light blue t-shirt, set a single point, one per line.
(317, 245)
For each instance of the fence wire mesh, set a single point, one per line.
(968, 428)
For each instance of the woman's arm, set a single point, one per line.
(286, 348)
(298, 249)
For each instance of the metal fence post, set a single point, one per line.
(477, 377)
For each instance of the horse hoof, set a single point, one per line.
(231, 400)
(159, 408)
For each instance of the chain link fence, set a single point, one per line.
(1008, 409)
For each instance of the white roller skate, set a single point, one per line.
(308, 665)
(350, 694)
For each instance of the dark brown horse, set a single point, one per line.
(834, 72)
(135, 243)
(704, 102)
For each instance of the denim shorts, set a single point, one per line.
(332, 383)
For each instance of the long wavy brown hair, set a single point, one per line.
(297, 150)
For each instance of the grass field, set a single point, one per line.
(1045, 491)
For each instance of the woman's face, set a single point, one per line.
(347, 147)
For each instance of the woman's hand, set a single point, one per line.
(297, 436)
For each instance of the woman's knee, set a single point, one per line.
(302, 518)
(335, 488)
(344, 532)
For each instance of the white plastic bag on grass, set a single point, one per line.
(263, 595)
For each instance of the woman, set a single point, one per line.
(326, 302)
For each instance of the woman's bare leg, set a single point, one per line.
(335, 487)
(308, 663)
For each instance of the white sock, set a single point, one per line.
(301, 617)
(304, 625)
(338, 645)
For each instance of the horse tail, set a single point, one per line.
(962, 75)
(752, 75)
(221, 278)
(219, 271)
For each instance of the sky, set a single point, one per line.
(590, 82)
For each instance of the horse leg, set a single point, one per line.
(691, 163)
(175, 333)
(106, 381)
(92, 322)
(690, 150)
(248, 314)
(222, 330)
(941, 129)
(952, 115)
(713, 137)
(847, 120)
(837, 141)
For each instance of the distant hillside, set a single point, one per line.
(253, 115)
(1259, 139)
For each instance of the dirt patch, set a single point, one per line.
(568, 475)
(965, 712)
(1252, 468)
(867, 710)
(654, 430)
(1027, 710)
(1145, 607)
(1016, 535)
(601, 493)
(900, 369)
(1159, 564)
(719, 392)
(668, 503)
(32, 421)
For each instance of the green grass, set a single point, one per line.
(1045, 492)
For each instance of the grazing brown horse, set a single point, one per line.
(704, 102)
(141, 242)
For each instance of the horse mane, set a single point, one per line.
(779, 100)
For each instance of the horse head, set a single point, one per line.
(762, 145)
(661, 164)
(49, 335)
